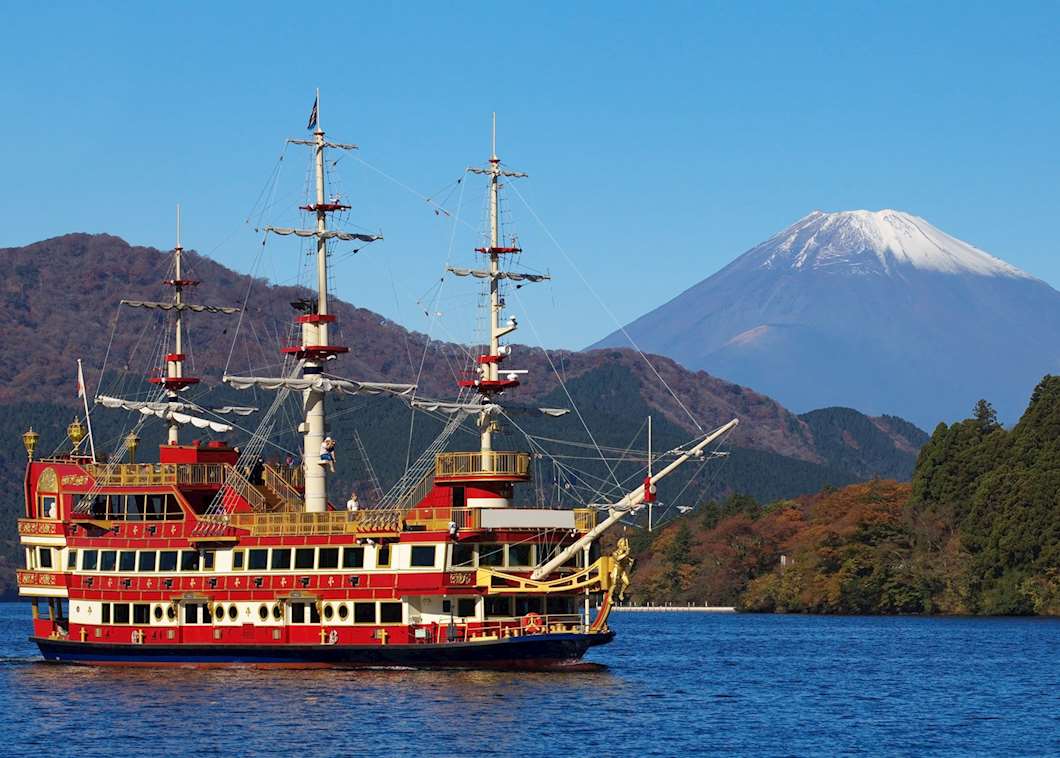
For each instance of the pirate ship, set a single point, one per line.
(206, 556)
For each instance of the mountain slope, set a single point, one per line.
(875, 310)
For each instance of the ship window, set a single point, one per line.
(189, 561)
(233, 612)
(281, 558)
(263, 612)
(491, 555)
(328, 558)
(447, 606)
(329, 612)
(458, 497)
(237, 560)
(343, 611)
(424, 556)
(297, 613)
(258, 560)
(277, 611)
(498, 606)
(71, 560)
(115, 507)
(364, 613)
(44, 557)
(525, 605)
(465, 607)
(353, 557)
(127, 560)
(156, 508)
(48, 507)
(191, 613)
(148, 560)
(108, 560)
(167, 560)
(560, 605)
(390, 613)
(206, 613)
(158, 613)
(520, 555)
(141, 613)
(88, 560)
(134, 507)
(382, 556)
(314, 613)
(207, 560)
(171, 612)
(463, 555)
(105, 615)
(121, 613)
(303, 557)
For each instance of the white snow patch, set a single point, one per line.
(875, 240)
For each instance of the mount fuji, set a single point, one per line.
(875, 310)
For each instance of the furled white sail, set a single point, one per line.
(441, 406)
(179, 306)
(328, 234)
(318, 383)
(480, 274)
(134, 405)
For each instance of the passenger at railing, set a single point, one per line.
(257, 473)
(453, 529)
(327, 453)
(352, 505)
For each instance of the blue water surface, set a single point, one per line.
(674, 684)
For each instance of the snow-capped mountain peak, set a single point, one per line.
(875, 242)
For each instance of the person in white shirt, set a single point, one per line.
(327, 453)
(352, 505)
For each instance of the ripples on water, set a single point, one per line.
(671, 684)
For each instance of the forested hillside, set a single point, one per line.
(977, 531)
(773, 453)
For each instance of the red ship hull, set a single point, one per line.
(537, 652)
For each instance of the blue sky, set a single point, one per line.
(662, 139)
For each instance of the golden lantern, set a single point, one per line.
(131, 443)
(76, 432)
(29, 441)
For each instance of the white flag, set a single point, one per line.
(80, 380)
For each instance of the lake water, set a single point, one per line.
(671, 684)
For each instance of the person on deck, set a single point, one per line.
(327, 453)
(352, 505)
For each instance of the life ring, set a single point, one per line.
(532, 622)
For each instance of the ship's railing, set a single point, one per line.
(496, 629)
(330, 522)
(437, 519)
(151, 474)
(483, 464)
(275, 479)
(238, 484)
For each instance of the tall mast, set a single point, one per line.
(316, 348)
(315, 334)
(490, 383)
(174, 368)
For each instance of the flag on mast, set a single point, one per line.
(80, 381)
(313, 114)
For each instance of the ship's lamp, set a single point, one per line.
(76, 432)
(29, 441)
(131, 443)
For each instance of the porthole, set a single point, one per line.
(328, 611)
(263, 612)
(277, 612)
(233, 612)
(171, 613)
(219, 612)
(158, 613)
(343, 611)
